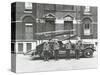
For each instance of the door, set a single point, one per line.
(68, 25)
(50, 26)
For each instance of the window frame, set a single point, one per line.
(87, 27)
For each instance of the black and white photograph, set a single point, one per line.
(53, 37)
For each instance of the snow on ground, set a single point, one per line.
(24, 63)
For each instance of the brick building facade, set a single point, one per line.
(30, 18)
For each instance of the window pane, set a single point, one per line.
(20, 47)
(28, 5)
(28, 46)
(29, 32)
(86, 31)
(86, 26)
(87, 9)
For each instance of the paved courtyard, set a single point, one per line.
(25, 63)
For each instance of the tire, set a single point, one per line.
(88, 53)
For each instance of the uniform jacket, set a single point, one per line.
(46, 47)
(56, 46)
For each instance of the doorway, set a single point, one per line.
(68, 25)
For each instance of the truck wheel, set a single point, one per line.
(88, 53)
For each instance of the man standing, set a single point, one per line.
(56, 50)
(46, 51)
(68, 48)
(77, 50)
(51, 47)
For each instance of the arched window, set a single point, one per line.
(87, 26)
(28, 27)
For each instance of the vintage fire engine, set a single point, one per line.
(86, 51)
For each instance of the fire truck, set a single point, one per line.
(86, 51)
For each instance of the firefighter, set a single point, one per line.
(56, 50)
(77, 50)
(51, 47)
(46, 51)
(68, 48)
